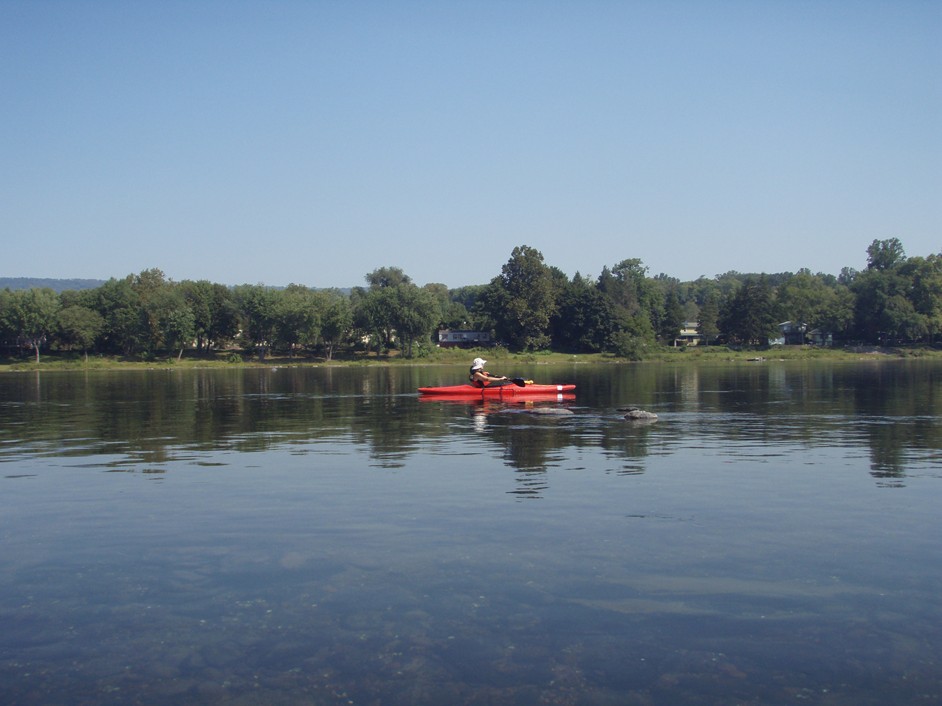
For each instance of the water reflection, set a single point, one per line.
(153, 418)
(324, 536)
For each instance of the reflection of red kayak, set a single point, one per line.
(470, 391)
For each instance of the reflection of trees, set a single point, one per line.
(899, 400)
(145, 419)
(528, 443)
(389, 426)
(891, 404)
(155, 416)
(630, 441)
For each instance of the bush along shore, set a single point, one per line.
(497, 358)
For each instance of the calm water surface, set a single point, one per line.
(323, 536)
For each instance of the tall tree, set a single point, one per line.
(80, 326)
(880, 292)
(634, 300)
(125, 324)
(416, 312)
(152, 289)
(885, 254)
(673, 317)
(804, 299)
(522, 300)
(925, 290)
(336, 316)
(297, 320)
(31, 315)
(373, 314)
(177, 324)
(749, 317)
(584, 321)
(257, 305)
(215, 313)
(387, 277)
(707, 325)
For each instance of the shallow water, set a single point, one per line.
(323, 536)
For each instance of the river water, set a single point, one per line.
(324, 536)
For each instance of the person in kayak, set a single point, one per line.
(479, 377)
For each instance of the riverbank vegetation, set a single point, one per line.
(530, 311)
(498, 359)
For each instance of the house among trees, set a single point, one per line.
(689, 334)
(819, 337)
(790, 334)
(463, 339)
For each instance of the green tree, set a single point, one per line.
(215, 314)
(297, 320)
(393, 308)
(672, 319)
(177, 325)
(387, 277)
(120, 306)
(377, 308)
(415, 313)
(838, 312)
(925, 290)
(806, 299)
(257, 308)
(902, 321)
(153, 292)
(885, 254)
(635, 303)
(31, 315)
(79, 326)
(443, 300)
(456, 316)
(584, 321)
(373, 316)
(224, 317)
(8, 320)
(522, 300)
(749, 317)
(707, 325)
(336, 317)
(880, 291)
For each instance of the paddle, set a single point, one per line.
(520, 382)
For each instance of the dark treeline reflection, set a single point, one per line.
(137, 421)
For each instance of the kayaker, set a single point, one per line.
(479, 377)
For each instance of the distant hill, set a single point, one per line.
(57, 285)
(62, 285)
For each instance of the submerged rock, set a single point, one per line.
(636, 413)
(554, 411)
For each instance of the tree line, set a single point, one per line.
(529, 306)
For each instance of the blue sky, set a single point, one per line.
(312, 142)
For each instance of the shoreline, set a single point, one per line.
(449, 357)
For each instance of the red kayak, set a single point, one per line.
(496, 390)
(501, 401)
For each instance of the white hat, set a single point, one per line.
(477, 363)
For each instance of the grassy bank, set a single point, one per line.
(497, 358)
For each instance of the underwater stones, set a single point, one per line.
(637, 414)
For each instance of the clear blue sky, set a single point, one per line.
(312, 142)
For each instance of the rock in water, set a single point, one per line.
(554, 411)
(636, 414)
